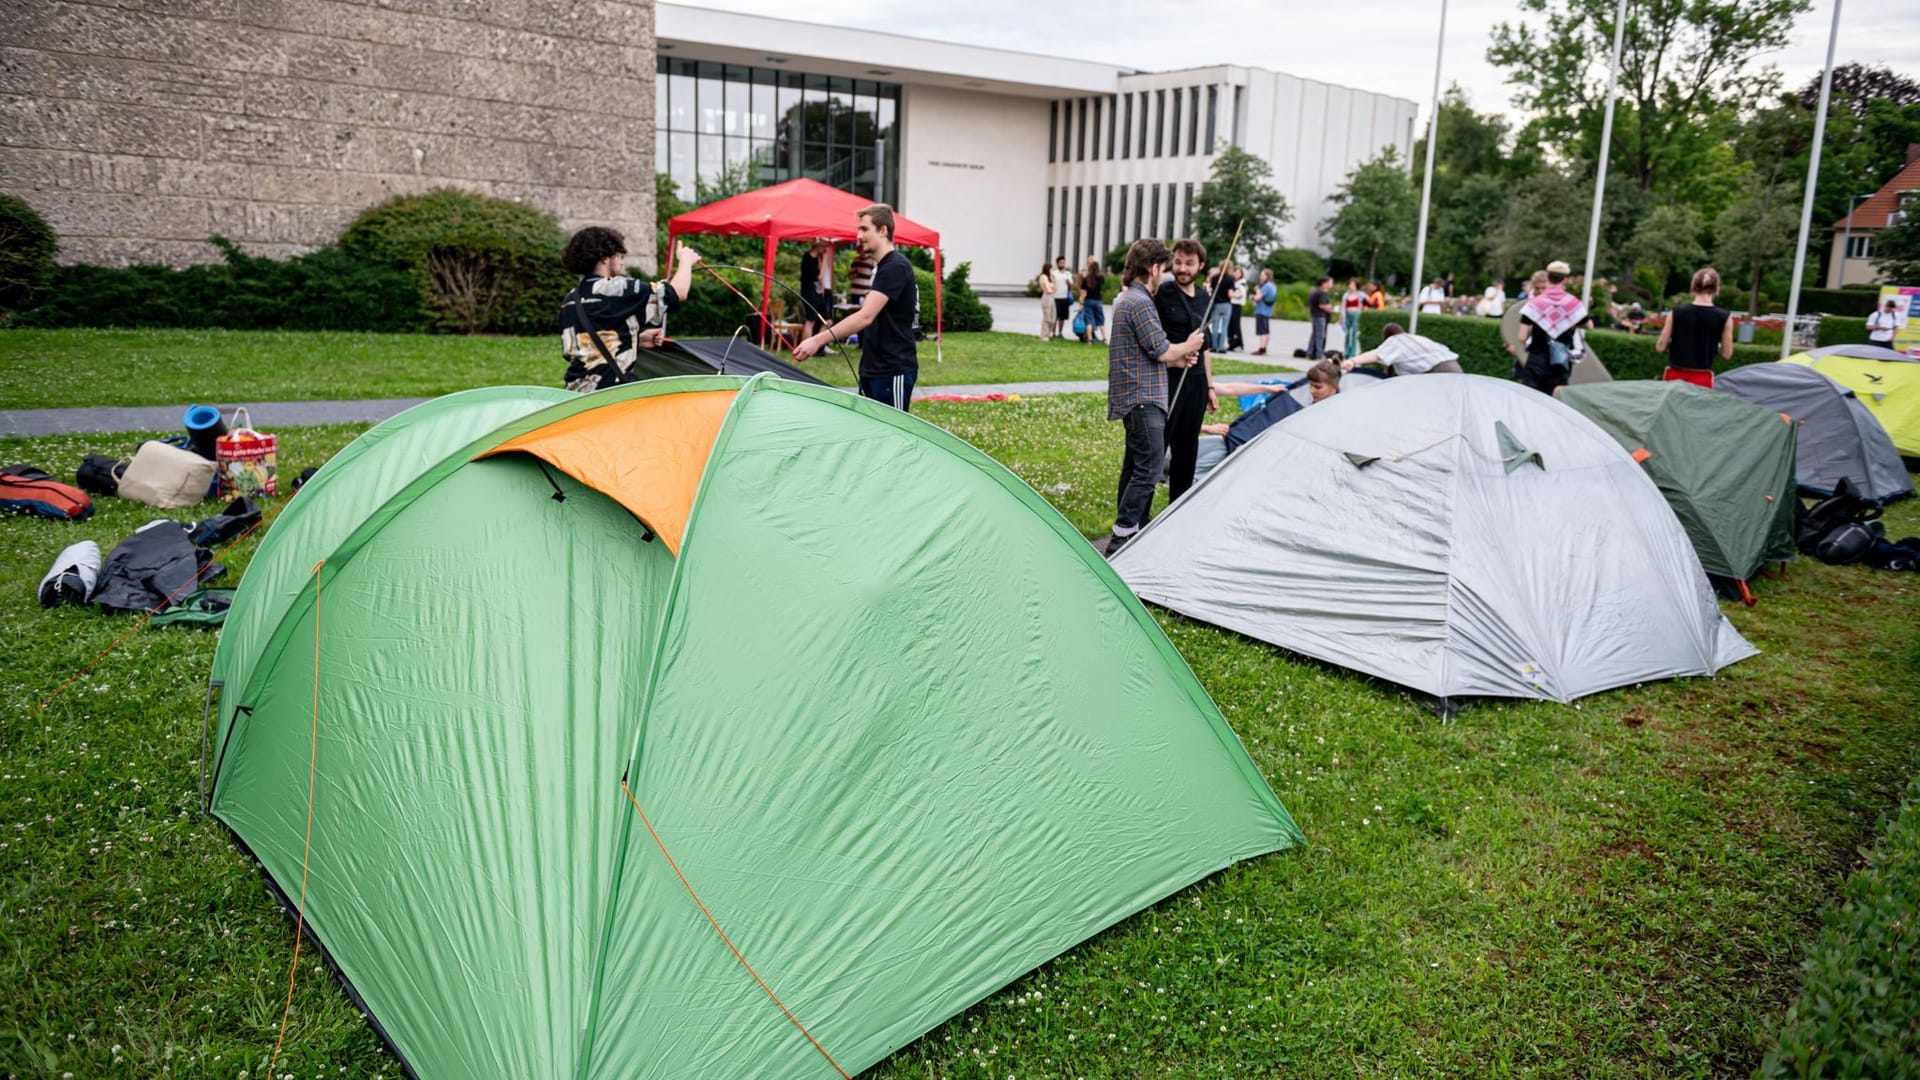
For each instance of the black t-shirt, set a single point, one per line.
(1540, 343)
(1316, 300)
(1181, 315)
(1696, 336)
(1093, 284)
(886, 346)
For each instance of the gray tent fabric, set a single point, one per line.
(1863, 352)
(1434, 566)
(1839, 437)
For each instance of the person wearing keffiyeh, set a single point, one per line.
(1552, 317)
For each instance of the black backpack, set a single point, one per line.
(1812, 524)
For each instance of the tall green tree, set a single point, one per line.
(1896, 249)
(1665, 243)
(1682, 62)
(1471, 143)
(1377, 213)
(1756, 234)
(1465, 225)
(1237, 192)
(1546, 220)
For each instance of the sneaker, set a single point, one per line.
(1115, 543)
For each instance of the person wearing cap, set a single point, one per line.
(1551, 332)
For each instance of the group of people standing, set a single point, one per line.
(1061, 288)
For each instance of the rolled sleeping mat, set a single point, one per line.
(204, 428)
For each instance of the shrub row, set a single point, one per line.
(1859, 1012)
(1852, 303)
(1838, 330)
(1477, 340)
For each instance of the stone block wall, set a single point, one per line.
(138, 128)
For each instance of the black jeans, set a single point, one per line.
(1146, 427)
(1184, 417)
(1234, 340)
(1317, 338)
(1539, 373)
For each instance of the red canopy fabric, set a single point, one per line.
(800, 210)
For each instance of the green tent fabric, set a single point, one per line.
(867, 706)
(1726, 466)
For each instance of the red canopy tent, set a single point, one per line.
(800, 210)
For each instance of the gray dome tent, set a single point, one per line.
(1456, 534)
(1839, 437)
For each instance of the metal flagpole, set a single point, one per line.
(1426, 186)
(1606, 144)
(1813, 178)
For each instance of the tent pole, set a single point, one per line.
(766, 290)
(1606, 144)
(1813, 178)
(1426, 186)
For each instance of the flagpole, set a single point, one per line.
(1813, 178)
(1606, 145)
(1426, 185)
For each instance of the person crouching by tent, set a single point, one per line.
(1550, 331)
(595, 334)
(1138, 356)
(887, 320)
(1406, 354)
(1696, 333)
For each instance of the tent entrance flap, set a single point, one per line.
(646, 454)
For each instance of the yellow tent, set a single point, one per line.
(1885, 381)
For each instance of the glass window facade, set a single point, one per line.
(778, 125)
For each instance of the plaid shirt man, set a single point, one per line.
(1136, 347)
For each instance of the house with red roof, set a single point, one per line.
(1855, 232)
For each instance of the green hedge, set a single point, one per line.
(1837, 330)
(1859, 1012)
(326, 289)
(1477, 340)
(1852, 303)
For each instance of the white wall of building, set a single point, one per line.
(974, 166)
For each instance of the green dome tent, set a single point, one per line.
(1725, 465)
(701, 727)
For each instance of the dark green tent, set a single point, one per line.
(1724, 465)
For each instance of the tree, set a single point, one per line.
(1471, 143)
(1681, 62)
(1758, 231)
(1237, 194)
(1856, 87)
(1464, 226)
(1375, 221)
(1667, 241)
(1897, 249)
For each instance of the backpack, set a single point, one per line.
(1813, 523)
(1848, 542)
(100, 475)
(27, 490)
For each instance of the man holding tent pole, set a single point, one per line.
(595, 338)
(886, 319)
(1138, 356)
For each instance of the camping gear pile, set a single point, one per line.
(151, 570)
(599, 679)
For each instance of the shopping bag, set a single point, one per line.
(248, 459)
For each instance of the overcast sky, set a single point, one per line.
(1381, 45)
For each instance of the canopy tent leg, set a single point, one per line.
(766, 292)
(939, 307)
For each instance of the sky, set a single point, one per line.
(1385, 46)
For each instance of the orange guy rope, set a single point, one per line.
(729, 941)
(778, 336)
(306, 849)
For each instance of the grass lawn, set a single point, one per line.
(1620, 889)
(180, 367)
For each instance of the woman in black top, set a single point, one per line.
(1697, 333)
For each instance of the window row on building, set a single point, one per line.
(778, 125)
(1090, 220)
(1181, 121)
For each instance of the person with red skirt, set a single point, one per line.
(1695, 334)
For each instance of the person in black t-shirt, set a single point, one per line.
(1184, 306)
(597, 316)
(887, 320)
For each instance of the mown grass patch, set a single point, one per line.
(73, 368)
(1623, 888)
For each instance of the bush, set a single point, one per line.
(478, 263)
(1859, 1012)
(964, 311)
(1295, 265)
(27, 248)
(1839, 330)
(1477, 340)
(322, 290)
(1852, 303)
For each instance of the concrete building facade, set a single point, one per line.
(139, 129)
(1014, 157)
